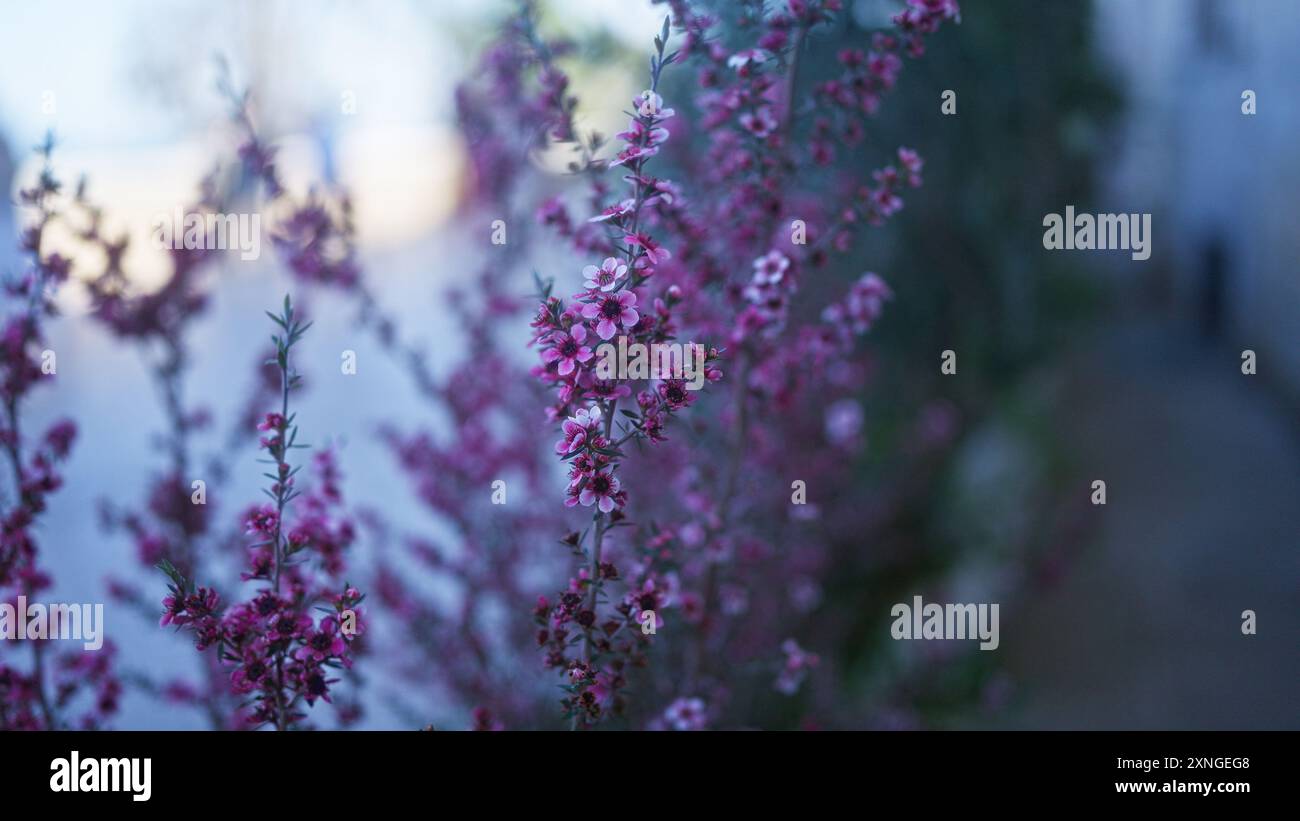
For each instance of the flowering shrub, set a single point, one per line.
(693, 527)
(38, 698)
(667, 268)
(278, 653)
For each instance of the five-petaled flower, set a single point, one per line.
(567, 349)
(606, 277)
(612, 310)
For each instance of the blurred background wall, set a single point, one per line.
(1223, 182)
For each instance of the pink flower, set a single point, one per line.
(686, 714)
(567, 349)
(769, 268)
(250, 675)
(260, 521)
(862, 307)
(912, 163)
(323, 643)
(653, 251)
(634, 153)
(760, 123)
(578, 428)
(288, 626)
(273, 421)
(675, 393)
(612, 310)
(797, 665)
(639, 135)
(606, 277)
(601, 488)
(615, 212)
(60, 436)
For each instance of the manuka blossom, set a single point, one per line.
(650, 106)
(743, 59)
(652, 252)
(795, 668)
(274, 649)
(605, 278)
(770, 268)
(51, 690)
(610, 311)
(673, 518)
(686, 714)
(601, 489)
(583, 425)
(614, 212)
(861, 308)
(679, 243)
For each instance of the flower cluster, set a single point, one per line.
(33, 698)
(276, 651)
(621, 298)
(740, 246)
(731, 256)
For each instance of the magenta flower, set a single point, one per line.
(675, 393)
(567, 349)
(797, 664)
(323, 643)
(653, 251)
(633, 153)
(912, 163)
(273, 421)
(250, 675)
(639, 134)
(261, 521)
(289, 626)
(600, 490)
(578, 428)
(611, 311)
(861, 308)
(760, 123)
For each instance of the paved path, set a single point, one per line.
(1202, 466)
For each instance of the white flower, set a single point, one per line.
(650, 104)
(770, 268)
(743, 58)
(606, 277)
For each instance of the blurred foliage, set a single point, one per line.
(966, 262)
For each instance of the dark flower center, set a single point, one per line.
(611, 309)
(316, 684)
